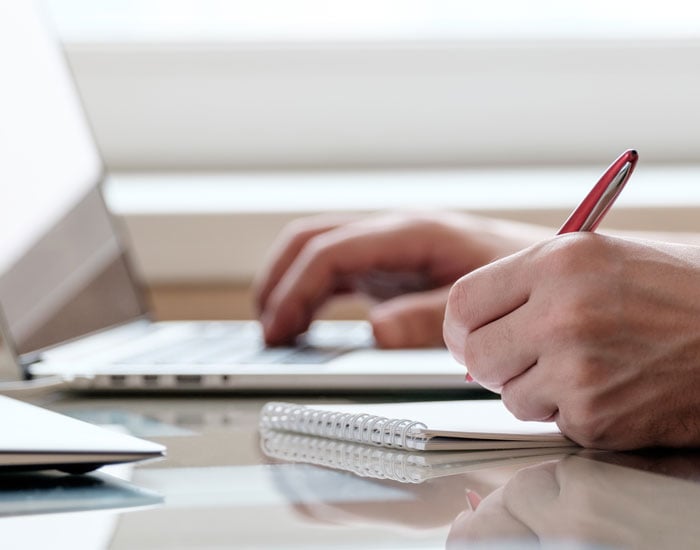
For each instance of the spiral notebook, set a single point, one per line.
(394, 464)
(422, 426)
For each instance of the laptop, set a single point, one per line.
(38, 439)
(70, 305)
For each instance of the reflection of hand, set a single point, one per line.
(339, 498)
(587, 501)
(597, 333)
(406, 261)
(489, 521)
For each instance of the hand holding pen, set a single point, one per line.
(596, 333)
(588, 215)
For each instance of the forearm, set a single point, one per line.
(526, 234)
(663, 236)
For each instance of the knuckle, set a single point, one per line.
(559, 256)
(421, 227)
(581, 329)
(297, 225)
(582, 422)
(298, 229)
(428, 223)
(568, 254)
(515, 401)
(586, 373)
(422, 217)
(294, 238)
(316, 249)
(579, 317)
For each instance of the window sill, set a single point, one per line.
(216, 227)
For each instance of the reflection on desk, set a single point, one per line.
(220, 490)
(592, 500)
(32, 493)
(51, 510)
(394, 464)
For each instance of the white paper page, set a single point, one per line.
(487, 419)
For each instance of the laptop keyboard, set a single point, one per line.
(222, 343)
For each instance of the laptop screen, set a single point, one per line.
(62, 268)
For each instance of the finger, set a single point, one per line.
(485, 295)
(287, 247)
(385, 285)
(532, 394)
(532, 496)
(495, 289)
(490, 521)
(502, 349)
(333, 257)
(410, 321)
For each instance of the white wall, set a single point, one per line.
(242, 105)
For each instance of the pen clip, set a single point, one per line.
(607, 198)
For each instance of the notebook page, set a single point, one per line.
(482, 419)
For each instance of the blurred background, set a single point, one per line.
(221, 120)
(384, 83)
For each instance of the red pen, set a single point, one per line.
(587, 215)
(593, 208)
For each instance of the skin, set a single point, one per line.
(575, 499)
(602, 336)
(405, 263)
(597, 333)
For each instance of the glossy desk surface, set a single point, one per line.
(217, 489)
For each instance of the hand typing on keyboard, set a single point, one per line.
(405, 262)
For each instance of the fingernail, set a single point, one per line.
(468, 378)
(473, 499)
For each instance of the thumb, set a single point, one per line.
(410, 320)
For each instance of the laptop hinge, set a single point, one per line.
(11, 367)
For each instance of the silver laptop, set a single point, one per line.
(33, 438)
(69, 304)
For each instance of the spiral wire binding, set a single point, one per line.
(364, 461)
(359, 428)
